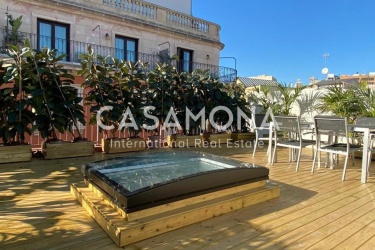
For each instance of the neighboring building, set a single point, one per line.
(126, 29)
(258, 81)
(334, 82)
(369, 79)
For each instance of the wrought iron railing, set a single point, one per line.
(74, 48)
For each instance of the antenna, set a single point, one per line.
(325, 69)
(325, 55)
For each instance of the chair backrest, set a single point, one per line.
(367, 121)
(258, 120)
(289, 124)
(331, 125)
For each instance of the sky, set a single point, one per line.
(288, 38)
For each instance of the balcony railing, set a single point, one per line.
(74, 48)
(169, 17)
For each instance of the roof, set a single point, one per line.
(251, 82)
(327, 83)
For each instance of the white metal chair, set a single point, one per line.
(334, 128)
(287, 133)
(261, 130)
(368, 121)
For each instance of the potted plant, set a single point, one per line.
(238, 102)
(56, 105)
(16, 116)
(114, 86)
(161, 93)
(218, 96)
(190, 93)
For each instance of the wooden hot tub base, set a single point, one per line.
(127, 228)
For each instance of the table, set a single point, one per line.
(366, 130)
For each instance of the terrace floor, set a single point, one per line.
(314, 211)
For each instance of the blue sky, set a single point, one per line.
(287, 39)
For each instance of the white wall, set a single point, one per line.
(183, 6)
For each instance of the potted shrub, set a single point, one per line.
(55, 104)
(217, 96)
(16, 117)
(113, 87)
(237, 92)
(161, 94)
(190, 92)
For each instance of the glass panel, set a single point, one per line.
(186, 61)
(130, 53)
(119, 48)
(45, 34)
(60, 40)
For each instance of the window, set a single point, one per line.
(185, 60)
(126, 48)
(54, 36)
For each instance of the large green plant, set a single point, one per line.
(237, 93)
(132, 79)
(279, 98)
(43, 87)
(12, 36)
(16, 116)
(366, 100)
(341, 102)
(161, 90)
(105, 94)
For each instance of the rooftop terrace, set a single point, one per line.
(316, 211)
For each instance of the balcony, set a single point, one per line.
(74, 48)
(150, 14)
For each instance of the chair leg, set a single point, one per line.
(345, 165)
(352, 158)
(274, 154)
(319, 156)
(369, 158)
(298, 158)
(314, 160)
(256, 144)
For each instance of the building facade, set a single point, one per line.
(149, 31)
(368, 79)
(126, 29)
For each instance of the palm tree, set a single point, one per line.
(341, 102)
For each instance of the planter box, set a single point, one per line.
(218, 138)
(57, 150)
(18, 153)
(115, 146)
(243, 136)
(184, 141)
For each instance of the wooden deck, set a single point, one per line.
(314, 211)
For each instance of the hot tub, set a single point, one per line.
(143, 180)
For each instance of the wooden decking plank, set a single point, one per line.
(351, 235)
(297, 225)
(37, 188)
(334, 221)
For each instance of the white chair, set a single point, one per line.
(335, 128)
(287, 133)
(368, 121)
(261, 130)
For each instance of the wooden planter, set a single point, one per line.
(243, 136)
(115, 146)
(218, 138)
(18, 153)
(64, 149)
(184, 141)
